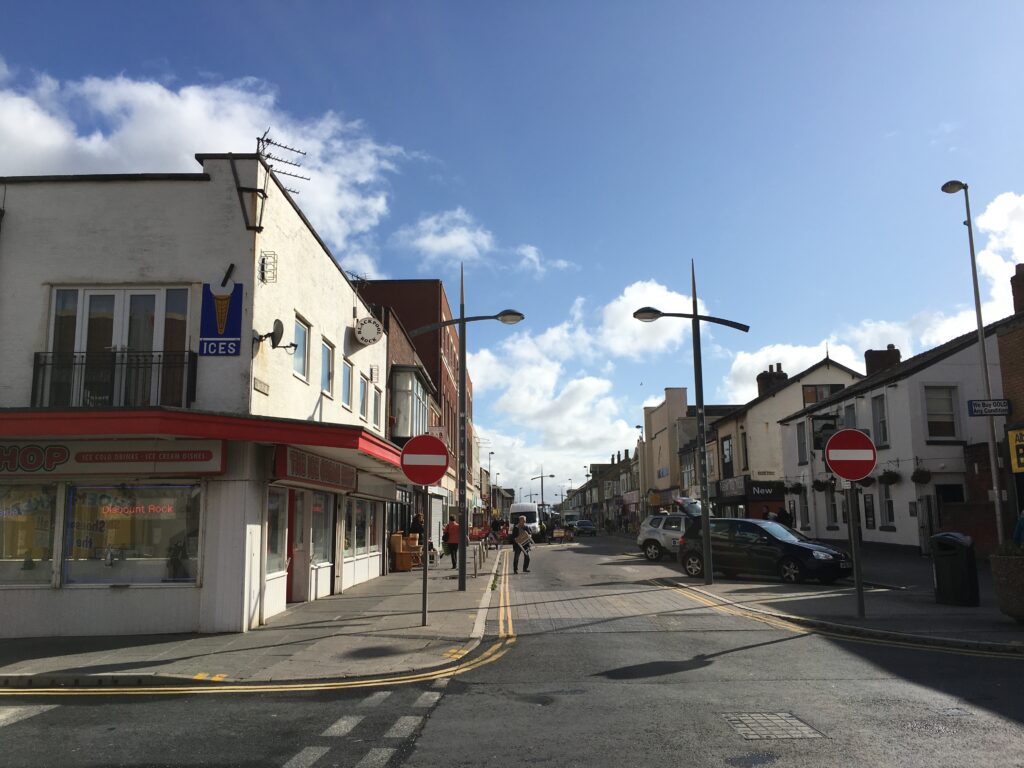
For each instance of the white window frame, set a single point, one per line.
(879, 421)
(347, 371)
(364, 397)
(888, 506)
(327, 367)
(378, 399)
(303, 358)
(952, 412)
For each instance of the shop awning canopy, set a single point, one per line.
(349, 444)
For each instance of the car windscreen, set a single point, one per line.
(530, 515)
(782, 533)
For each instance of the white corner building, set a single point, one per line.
(191, 427)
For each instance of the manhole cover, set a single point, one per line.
(769, 725)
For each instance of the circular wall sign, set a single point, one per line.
(368, 330)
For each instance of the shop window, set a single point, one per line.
(362, 513)
(322, 511)
(801, 443)
(350, 527)
(131, 534)
(371, 526)
(277, 530)
(26, 533)
(888, 508)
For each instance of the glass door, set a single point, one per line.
(97, 344)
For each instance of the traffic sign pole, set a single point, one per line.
(853, 515)
(851, 455)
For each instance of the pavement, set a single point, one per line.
(375, 629)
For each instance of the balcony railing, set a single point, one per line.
(114, 379)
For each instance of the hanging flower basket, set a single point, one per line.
(889, 477)
(921, 475)
(866, 482)
(796, 488)
(820, 485)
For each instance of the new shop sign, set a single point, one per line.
(179, 458)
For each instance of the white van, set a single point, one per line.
(529, 511)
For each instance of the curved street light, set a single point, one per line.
(951, 188)
(508, 317)
(649, 315)
(541, 477)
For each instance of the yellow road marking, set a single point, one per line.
(494, 652)
(200, 676)
(218, 678)
(779, 623)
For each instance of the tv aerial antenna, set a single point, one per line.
(263, 148)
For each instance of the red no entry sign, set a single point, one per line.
(851, 454)
(425, 459)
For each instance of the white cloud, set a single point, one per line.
(1002, 224)
(623, 335)
(447, 236)
(531, 260)
(121, 125)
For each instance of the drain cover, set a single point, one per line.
(770, 725)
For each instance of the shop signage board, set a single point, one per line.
(988, 407)
(68, 458)
(1015, 441)
(424, 460)
(220, 320)
(298, 466)
(850, 454)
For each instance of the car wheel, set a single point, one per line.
(791, 571)
(653, 551)
(693, 564)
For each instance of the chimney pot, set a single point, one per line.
(1017, 287)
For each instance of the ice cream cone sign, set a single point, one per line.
(221, 322)
(221, 303)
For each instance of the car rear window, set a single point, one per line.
(673, 523)
(655, 522)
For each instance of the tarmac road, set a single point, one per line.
(608, 663)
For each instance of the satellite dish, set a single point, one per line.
(276, 334)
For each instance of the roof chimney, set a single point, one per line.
(1017, 287)
(876, 360)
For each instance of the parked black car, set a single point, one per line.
(739, 545)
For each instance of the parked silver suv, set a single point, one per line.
(660, 533)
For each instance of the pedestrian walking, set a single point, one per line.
(521, 545)
(450, 536)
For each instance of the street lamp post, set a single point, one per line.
(642, 485)
(541, 476)
(490, 486)
(649, 315)
(509, 317)
(951, 188)
(498, 505)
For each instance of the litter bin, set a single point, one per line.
(955, 569)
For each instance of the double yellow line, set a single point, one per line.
(779, 623)
(497, 649)
(505, 628)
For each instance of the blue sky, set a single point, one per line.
(576, 156)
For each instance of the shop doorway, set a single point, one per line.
(298, 549)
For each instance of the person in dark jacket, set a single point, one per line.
(784, 517)
(417, 524)
(522, 548)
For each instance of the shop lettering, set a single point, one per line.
(127, 510)
(213, 347)
(32, 458)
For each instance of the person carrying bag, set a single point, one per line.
(521, 542)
